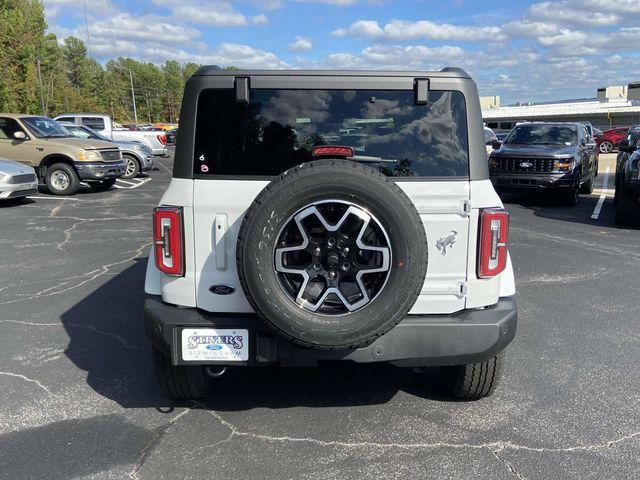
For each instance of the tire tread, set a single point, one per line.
(319, 166)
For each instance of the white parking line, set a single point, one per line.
(605, 184)
(130, 185)
(126, 182)
(53, 197)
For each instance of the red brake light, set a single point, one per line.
(494, 234)
(167, 240)
(162, 138)
(330, 150)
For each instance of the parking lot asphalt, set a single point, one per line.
(78, 398)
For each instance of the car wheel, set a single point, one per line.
(473, 381)
(102, 185)
(571, 196)
(606, 147)
(62, 179)
(132, 167)
(180, 382)
(587, 187)
(332, 254)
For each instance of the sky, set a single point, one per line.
(520, 50)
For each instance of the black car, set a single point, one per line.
(559, 157)
(627, 196)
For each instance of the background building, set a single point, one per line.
(613, 106)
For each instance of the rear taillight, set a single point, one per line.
(162, 138)
(494, 234)
(167, 240)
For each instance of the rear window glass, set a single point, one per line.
(277, 130)
(95, 123)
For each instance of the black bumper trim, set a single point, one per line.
(418, 340)
(530, 181)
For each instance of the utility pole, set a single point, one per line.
(133, 96)
(148, 108)
(40, 84)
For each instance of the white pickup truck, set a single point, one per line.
(103, 124)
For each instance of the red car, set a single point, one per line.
(608, 141)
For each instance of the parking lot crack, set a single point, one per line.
(29, 380)
(506, 463)
(495, 447)
(152, 442)
(86, 278)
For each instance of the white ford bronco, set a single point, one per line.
(330, 216)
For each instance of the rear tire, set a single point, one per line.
(179, 382)
(475, 380)
(338, 183)
(62, 179)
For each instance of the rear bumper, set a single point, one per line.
(526, 181)
(418, 340)
(148, 162)
(100, 171)
(161, 151)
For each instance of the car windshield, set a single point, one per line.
(85, 132)
(543, 135)
(44, 127)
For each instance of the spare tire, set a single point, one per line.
(332, 254)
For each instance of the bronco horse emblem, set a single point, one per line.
(447, 241)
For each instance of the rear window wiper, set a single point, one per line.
(367, 159)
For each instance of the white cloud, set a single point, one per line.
(421, 29)
(339, 3)
(213, 13)
(227, 54)
(300, 44)
(571, 12)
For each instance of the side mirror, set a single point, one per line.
(624, 146)
(495, 144)
(19, 135)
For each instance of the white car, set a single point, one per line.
(17, 180)
(489, 138)
(330, 216)
(156, 140)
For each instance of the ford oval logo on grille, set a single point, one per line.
(526, 164)
(222, 289)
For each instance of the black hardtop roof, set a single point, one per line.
(448, 72)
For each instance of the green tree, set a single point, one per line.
(22, 29)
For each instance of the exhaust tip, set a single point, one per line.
(216, 372)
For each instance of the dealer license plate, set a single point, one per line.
(215, 344)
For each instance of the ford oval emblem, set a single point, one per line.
(222, 289)
(526, 164)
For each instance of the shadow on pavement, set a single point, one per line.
(71, 448)
(547, 205)
(107, 340)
